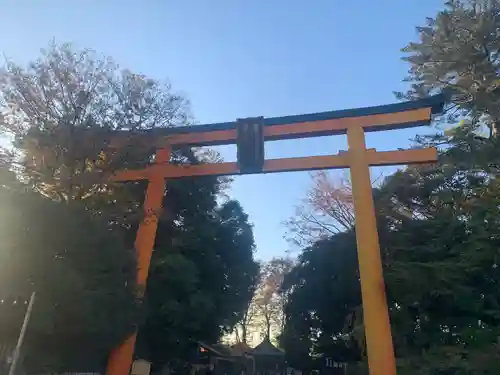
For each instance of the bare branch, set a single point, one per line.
(326, 210)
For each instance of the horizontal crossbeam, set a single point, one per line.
(385, 117)
(375, 158)
(416, 117)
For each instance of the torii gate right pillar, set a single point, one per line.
(380, 350)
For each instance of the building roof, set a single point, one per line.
(267, 348)
(219, 349)
(240, 349)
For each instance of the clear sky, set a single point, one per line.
(235, 58)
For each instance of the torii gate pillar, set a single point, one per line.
(375, 310)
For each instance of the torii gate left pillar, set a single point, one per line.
(120, 361)
(249, 135)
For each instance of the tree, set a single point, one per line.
(323, 291)
(438, 225)
(440, 266)
(202, 281)
(61, 112)
(458, 55)
(264, 314)
(246, 325)
(453, 241)
(270, 298)
(83, 274)
(326, 210)
(64, 109)
(76, 119)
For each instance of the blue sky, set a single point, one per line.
(235, 58)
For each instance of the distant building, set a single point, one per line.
(239, 359)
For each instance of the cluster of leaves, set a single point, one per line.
(64, 110)
(75, 119)
(438, 225)
(202, 275)
(441, 266)
(447, 254)
(323, 292)
(458, 54)
(56, 251)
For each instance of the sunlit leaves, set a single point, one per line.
(458, 53)
(84, 276)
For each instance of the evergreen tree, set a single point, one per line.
(323, 291)
(458, 54)
(83, 275)
(439, 233)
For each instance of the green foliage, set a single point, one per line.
(438, 225)
(447, 256)
(202, 274)
(459, 54)
(323, 292)
(76, 119)
(83, 274)
(439, 230)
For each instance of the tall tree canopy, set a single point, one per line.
(64, 111)
(459, 54)
(440, 262)
(202, 276)
(323, 291)
(438, 225)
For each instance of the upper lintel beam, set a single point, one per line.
(386, 117)
(387, 121)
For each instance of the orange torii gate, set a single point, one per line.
(249, 135)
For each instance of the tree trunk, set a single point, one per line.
(244, 332)
(237, 335)
(268, 326)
